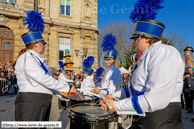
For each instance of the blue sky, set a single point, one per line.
(177, 15)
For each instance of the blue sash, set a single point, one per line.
(42, 65)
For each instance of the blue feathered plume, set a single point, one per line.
(145, 9)
(61, 65)
(99, 71)
(109, 42)
(88, 62)
(34, 21)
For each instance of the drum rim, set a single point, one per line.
(82, 101)
(71, 112)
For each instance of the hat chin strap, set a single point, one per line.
(138, 43)
(41, 46)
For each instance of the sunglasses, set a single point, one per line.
(135, 39)
(107, 59)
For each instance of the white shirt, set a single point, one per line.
(159, 74)
(32, 78)
(112, 79)
(87, 83)
(65, 81)
(63, 78)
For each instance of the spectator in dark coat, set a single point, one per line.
(189, 89)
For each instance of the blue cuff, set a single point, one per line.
(127, 92)
(136, 106)
(135, 92)
(106, 91)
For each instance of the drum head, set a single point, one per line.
(89, 112)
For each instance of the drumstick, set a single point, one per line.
(80, 96)
(88, 89)
(100, 96)
(93, 94)
(109, 106)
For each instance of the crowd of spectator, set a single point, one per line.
(8, 81)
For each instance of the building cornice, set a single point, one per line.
(76, 25)
(10, 14)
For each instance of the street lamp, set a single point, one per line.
(76, 53)
(36, 5)
(82, 56)
(85, 51)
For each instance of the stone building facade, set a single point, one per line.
(69, 24)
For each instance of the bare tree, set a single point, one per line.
(122, 32)
(178, 42)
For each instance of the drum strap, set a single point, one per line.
(41, 64)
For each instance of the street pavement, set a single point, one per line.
(7, 112)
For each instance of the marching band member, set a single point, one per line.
(63, 102)
(62, 76)
(88, 76)
(156, 83)
(112, 76)
(33, 101)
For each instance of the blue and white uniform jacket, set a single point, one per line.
(87, 83)
(156, 81)
(63, 78)
(111, 79)
(33, 75)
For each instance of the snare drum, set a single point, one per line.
(64, 104)
(90, 116)
(73, 102)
